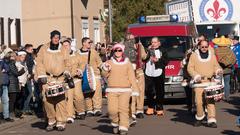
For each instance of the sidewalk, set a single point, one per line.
(18, 122)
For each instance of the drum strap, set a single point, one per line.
(55, 76)
(89, 55)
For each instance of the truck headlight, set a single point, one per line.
(177, 79)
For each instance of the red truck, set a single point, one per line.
(177, 39)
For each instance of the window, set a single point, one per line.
(14, 32)
(2, 30)
(96, 28)
(18, 32)
(85, 27)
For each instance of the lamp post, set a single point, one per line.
(110, 19)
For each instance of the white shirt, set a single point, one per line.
(150, 66)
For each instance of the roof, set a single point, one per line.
(160, 29)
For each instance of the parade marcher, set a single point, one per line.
(226, 59)
(199, 61)
(75, 99)
(136, 53)
(93, 104)
(51, 68)
(156, 61)
(236, 50)
(121, 85)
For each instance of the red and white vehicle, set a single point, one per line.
(167, 33)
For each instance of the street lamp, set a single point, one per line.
(110, 19)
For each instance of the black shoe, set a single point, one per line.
(50, 127)
(9, 120)
(132, 122)
(140, 115)
(115, 130)
(212, 125)
(197, 123)
(80, 117)
(90, 114)
(98, 113)
(60, 128)
(123, 132)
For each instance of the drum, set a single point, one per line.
(88, 80)
(203, 84)
(216, 92)
(55, 90)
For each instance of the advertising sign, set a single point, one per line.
(216, 10)
(180, 8)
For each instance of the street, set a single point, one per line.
(177, 121)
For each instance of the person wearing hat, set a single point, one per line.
(75, 99)
(87, 53)
(199, 61)
(121, 86)
(226, 59)
(51, 68)
(236, 51)
(21, 64)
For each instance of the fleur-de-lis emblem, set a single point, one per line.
(216, 12)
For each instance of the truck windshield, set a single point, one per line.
(176, 46)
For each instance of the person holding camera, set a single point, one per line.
(156, 61)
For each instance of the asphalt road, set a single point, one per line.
(177, 121)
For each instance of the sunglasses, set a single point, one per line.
(117, 50)
(204, 46)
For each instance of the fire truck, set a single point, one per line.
(176, 37)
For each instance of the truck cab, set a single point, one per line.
(177, 39)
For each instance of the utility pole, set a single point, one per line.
(72, 19)
(110, 19)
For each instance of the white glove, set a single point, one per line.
(79, 73)
(106, 66)
(197, 78)
(219, 72)
(134, 93)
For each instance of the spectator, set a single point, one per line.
(236, 50)
(14, 90)
(4, 86)
(226, 59)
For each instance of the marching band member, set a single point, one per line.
(121, 86)
(51, 68)
(199, 61)
(136, 53)
(93, 104)
(74, 96)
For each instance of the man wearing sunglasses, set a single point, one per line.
(201, 67)
(93, 104)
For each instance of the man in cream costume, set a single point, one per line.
(136, 53)
(201, 60)
(51, 67)
(75, 99)
(93, 104)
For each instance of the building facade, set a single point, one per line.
(73, 18)
(10, 22)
